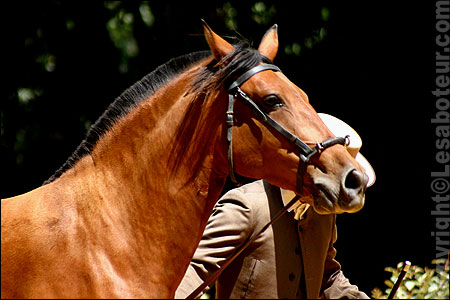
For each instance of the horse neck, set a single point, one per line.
(164, 163)
(170, 135)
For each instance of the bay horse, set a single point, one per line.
(123, 216)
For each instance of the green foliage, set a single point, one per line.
(228, 13)
(262, 14)
(419, 283)
(120, 28)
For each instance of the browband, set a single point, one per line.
(244, 77)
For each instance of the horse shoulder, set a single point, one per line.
(33, 233)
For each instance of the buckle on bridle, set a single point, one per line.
(346, 141)
(320, 147)
(230, 118)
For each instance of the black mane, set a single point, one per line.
(237, 62)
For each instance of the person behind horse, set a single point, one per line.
(294, 258)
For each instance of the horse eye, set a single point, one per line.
(273, 101)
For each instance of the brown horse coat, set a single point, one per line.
(123, 218)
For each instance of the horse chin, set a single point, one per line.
(326, 206)
(325, 202)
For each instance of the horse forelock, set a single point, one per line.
(219, 73)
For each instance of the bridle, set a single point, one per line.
(306, 152)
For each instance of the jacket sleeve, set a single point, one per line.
(335, 284)
(228, 227)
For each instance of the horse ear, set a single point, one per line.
(269, 43)
(218, 45)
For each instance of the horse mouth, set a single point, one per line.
(327, 200)
(324, 200)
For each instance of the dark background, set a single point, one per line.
(371, 65)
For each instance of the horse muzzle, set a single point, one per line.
(340, 194)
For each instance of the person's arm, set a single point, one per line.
(228, 228)
(335, 285)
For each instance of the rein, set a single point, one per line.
(306, 153)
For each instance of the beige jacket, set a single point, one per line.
(291, 259)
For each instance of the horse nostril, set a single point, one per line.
(354, 180)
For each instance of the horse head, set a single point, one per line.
(330, 179)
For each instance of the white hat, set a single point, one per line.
(340, 128)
